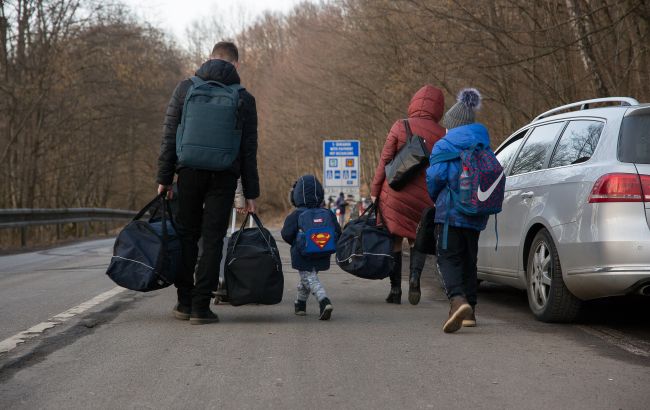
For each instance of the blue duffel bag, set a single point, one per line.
(147, 254)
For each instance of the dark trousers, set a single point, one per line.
(205, 199)
(457, 263)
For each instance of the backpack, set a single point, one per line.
(484, 171)
(209, 135)
(147, 254)
(316, 233)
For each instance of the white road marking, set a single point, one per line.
(618, 339)
(34, 331)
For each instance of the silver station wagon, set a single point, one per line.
(576, 215)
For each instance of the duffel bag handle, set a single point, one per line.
(151, 203)
(373, 207)
(166, 211)
(259, 224)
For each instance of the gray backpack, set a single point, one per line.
(209, 135)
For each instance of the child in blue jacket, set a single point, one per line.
(457, 261)
(307, 196)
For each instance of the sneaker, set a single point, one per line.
(459, 310)
(470, 321)
(181, 312)
(300, 307)
(203, 317)
(325, 309)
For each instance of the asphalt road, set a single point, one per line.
(128, 351)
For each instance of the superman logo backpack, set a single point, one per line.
(316, 232)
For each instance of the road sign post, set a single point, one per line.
(341, 170)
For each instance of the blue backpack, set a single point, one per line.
(209, 135)
(486, 184)
(316, 233)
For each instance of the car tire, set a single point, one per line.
(548, 297)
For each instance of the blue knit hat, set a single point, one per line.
(464, 111)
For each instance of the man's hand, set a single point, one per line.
(168, 188)
(374, 198)
(251, 207)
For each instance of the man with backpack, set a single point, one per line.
(466, 182)
(209, 140)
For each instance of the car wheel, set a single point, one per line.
(548, 296)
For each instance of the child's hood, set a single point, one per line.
(462, 138)
(308, 192)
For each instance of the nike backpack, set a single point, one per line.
(487, 185)
(316, 233)
(209, 135)
(487, 181)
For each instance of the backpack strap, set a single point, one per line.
(496, 233)
(197, 81)
(451, 198)
(407, 128)
(444, 157)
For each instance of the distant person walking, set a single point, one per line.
(457, 261)
(341, 205)
(311, 231)
(401, 210)
(225, 115)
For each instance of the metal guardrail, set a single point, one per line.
(25, 217)
(20, 218)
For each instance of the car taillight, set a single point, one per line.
(645, 187)
(619, 188)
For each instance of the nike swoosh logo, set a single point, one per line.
(484, 195)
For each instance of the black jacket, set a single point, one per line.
(246, 165)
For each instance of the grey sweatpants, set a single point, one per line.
(309, 283)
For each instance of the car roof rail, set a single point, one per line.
(584, 105)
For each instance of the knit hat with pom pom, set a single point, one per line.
(464, 111)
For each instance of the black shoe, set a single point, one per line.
(325, 309)
(203, 317)
(182, 312)
(414, 288)
(416, 264)
(300, 307)
(395, 296)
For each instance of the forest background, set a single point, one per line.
(84, 84)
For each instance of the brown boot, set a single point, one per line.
(459, 310)
(470, 321)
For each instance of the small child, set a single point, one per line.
(312, 231)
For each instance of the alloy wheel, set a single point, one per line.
(540, 276)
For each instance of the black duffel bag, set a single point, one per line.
(253, 269)
(147, 254)
(365, 249)
(425, 236)
(409, 160)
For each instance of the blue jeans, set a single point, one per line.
(457, 263)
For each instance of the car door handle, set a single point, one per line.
(527, 195)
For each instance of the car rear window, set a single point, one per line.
(634, 142)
